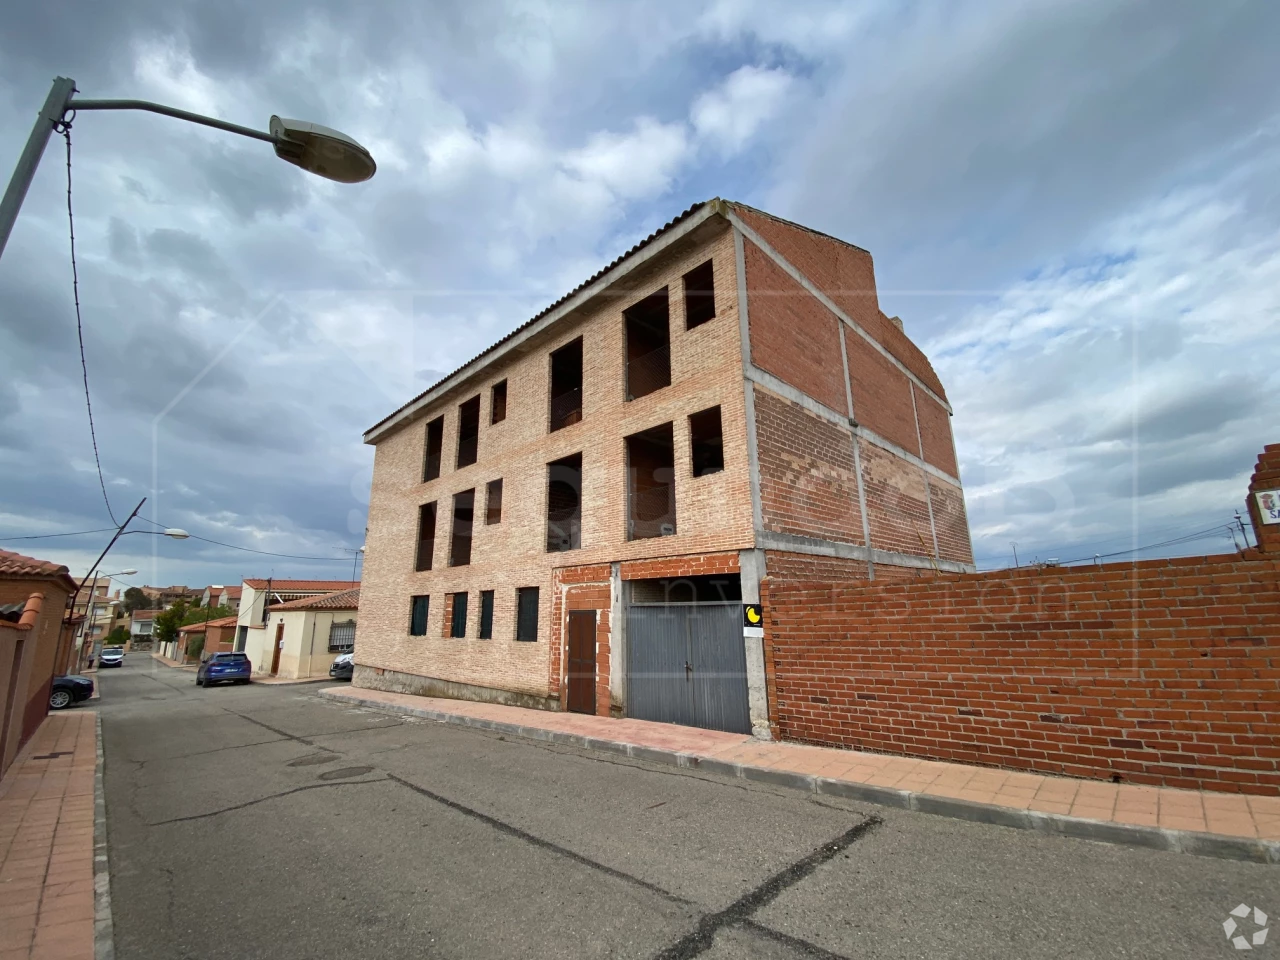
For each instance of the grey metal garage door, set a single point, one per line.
(686, 663)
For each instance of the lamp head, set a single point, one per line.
(321, 150)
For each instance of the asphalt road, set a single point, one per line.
(265, 822)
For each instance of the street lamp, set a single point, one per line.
(316, 149)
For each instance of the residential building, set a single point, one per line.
(96, 611)
(162, 598)
(141, 626)
(575, 518)
(257, 594)
(35, 645)
(218, 637)
(303, 636)
(220, 596)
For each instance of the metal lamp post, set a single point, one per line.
(316, 149)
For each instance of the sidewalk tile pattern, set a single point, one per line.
(1196, 811)
(46, 843)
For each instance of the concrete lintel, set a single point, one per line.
(791, 543)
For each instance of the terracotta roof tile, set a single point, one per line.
(340, 600)
(296, 585)
(220, 622)
(16, 565)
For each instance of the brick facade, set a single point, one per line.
(1159, 672)
(1266, 477)
(807, 481)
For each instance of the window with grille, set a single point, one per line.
(342, 636)
(527, 613)
(486, 614)
(418, 608)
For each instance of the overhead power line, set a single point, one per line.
(264, 553)
(50, 536)
(64, 127)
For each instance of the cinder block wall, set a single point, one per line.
(1159, 672)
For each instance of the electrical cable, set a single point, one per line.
(265, 553)
(50, 536)
(63, 126)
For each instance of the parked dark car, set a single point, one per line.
(343, 666)
(68, 690)
(222, 667)
(111, 657)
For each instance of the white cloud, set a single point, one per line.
(639, 163)
(729, 115)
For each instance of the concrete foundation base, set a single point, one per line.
(394, 681)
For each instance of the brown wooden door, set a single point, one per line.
(275, 649)
(582, 661)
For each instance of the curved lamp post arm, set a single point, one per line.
(316, 149)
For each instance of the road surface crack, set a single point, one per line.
(739, 912)
(273, 796)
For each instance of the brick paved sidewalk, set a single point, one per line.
(1233, 825)
(46, 842)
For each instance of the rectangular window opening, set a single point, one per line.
(699, 296)
(418, 608)
(706, 442)
(464, 504)
(527, 614)
(498, 402)
(342, 636)
(648, 345)
(651, 487)
(564, 504)
(566, 385)
(458, 615)
(426, 536)
(486, 614)
(431, 458)
(493, 502)
(468, 432)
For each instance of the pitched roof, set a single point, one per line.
(233, 593)
(675, 221)
(146, 614)
(293, 586)
(16, 565)
(339, 600)
(220, 622)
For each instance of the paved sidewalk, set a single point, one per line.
(47, 842)
(1229, 825)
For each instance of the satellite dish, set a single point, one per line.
(321, 150)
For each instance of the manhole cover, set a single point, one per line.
(344, 773)
(313, 760)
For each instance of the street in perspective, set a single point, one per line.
(657, 479)
(268, 821)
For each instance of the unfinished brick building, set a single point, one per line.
(573, 519)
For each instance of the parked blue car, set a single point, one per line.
(224, 666)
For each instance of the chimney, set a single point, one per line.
(1264, 499)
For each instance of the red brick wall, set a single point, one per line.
(950, 521)
(881, 394)
(846, 274)
(1160, 672)
(808, 483)
(897, 507)
(1266, 476)
(793, 335)
(935, 433)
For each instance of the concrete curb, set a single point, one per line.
(1102, 831)
(104, 947)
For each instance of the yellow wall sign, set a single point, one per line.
(753, 615)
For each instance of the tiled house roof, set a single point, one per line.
(16, 565)
(340, 600)
(293, 586)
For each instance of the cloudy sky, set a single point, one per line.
(1073, 206)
